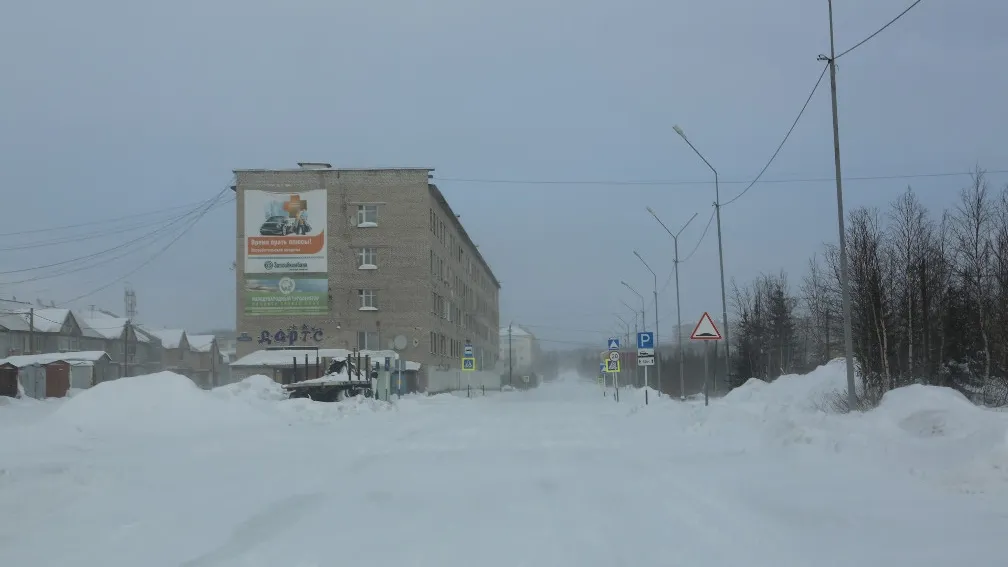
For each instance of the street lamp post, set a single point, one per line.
(643, 319)
(637, 378)
(717, 211)
(656, 343)
(627, 327)
(675, 242)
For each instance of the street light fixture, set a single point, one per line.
(635, 292)
(717, 211)
(675, 242)
(656, 343)
(629, 339)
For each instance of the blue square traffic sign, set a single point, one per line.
(645, 340)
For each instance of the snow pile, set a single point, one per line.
(161, 403)
(254, 389)
(941, 434)
(802, 392)
(265, 395)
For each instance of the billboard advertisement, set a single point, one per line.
(294, 294)
(285, 232)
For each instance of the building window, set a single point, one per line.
(367, 340)
(367, 300)
(367, 215)
(367, 259)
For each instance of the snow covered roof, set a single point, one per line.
(105, 327)
(13, 322)
(47, 319)
(200, 343)
(23, 360)
(170, 338)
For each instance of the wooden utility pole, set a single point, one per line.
(31, 330)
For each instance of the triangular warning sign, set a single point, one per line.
(706, 330)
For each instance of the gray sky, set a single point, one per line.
(111, 109)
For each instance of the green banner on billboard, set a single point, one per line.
(294, 294)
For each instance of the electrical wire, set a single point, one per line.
(160, 211)
(702, 236)
(204, 207)
(83, 237)
(786, 136)
(672, 182)
(152, 257)
(880, 30)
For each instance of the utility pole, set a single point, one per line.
(31, 330)
(510, 356)
(656, 343)
(844, 281)
(720, 248)
(126, 334)
(675, 242)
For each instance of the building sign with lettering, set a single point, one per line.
(291, 336)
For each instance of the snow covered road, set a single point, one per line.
(555, 476)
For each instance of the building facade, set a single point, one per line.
(371, 259)
(519, 350)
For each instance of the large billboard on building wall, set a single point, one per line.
(286, 262)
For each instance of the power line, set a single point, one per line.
(702, 236)
(786, 136)
(671, 182)
(144, 240)
(87, 236)
(152, 257)
(880, 30)
(159, 211)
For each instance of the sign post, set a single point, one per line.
(612, 362)
(705, 330)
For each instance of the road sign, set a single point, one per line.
(706, 330)
(601, 368)
(645, 360)
(645, 340)
(614, 356)
(613, 343)
(468, 351)
(612, 366)
(468, 364)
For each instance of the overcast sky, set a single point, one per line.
(110, 110)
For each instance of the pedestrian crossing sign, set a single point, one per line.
(613, 365)
(468, 363)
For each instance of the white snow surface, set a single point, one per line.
(153, 471)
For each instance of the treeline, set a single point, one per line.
(929, 300)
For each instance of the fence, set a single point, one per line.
(439, 381)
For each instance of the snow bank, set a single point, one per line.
(266, 396)
(257, 388)
(802, 392)
(164, 402)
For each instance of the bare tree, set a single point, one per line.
(908, 237)
(972, 224)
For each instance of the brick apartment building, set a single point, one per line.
(366, 258)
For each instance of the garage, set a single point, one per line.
(8, 380)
